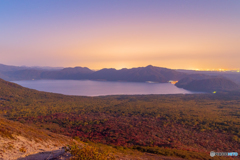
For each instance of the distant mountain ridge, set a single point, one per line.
(140, 74)
(189, 81)
(6, 68)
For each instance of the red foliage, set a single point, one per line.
(137, 130)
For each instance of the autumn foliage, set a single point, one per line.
(193, 123)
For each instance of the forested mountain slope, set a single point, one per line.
(207, 84)
(187, 126)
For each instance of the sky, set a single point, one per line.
(177, 34)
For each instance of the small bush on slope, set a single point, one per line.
(89, 153)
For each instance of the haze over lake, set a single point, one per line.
(100, 88)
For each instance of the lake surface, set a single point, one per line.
(100, 88)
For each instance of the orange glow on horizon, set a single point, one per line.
(202, 37)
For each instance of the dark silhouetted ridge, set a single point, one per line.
(209, 84)
(140, 74)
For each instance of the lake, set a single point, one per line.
(100, 88)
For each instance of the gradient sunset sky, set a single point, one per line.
(183, 34)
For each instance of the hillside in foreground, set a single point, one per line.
(185, 126)
(23, 142)
(18, 140)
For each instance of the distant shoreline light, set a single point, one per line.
(217, 70)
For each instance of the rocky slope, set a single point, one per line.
(18, 141)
